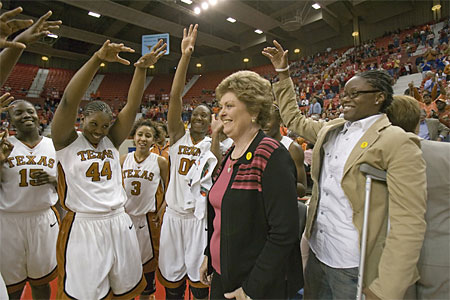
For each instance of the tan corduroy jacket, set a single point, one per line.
(390, 266)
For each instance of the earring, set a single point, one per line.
(253, 120)
(376, 102)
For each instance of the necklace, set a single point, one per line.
(231, 164)
(233, 161)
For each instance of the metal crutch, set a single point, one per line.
(375, 174)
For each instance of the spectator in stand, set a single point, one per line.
(425, 99)
(431, 129)
(443, 112)
(314, 107)
(431, 81)
(434, 261)
(335, 213)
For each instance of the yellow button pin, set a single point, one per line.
(248, 156)
(364, 145)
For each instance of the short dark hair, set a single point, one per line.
(97, 106)
(380, 80)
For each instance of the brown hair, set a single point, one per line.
(251, 89)
(404, 112)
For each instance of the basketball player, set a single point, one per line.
(161, 146)
(142, 172)
(37, 275)
(272, 129)
(28, 221)
(98, 251)
(183, 235)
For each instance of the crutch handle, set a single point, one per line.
(375, 173)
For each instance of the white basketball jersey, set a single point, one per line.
(19, 191)
(90, 178)
(141, 181)
(182, 155)
(286, 142)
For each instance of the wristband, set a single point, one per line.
(282, 70)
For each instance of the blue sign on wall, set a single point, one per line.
(148, 41)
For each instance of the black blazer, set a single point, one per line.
(259, 238)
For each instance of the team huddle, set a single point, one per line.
(213, 204)
(106, 241)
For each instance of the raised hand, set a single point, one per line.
(277, 55)
(8, 26)
(109, 52)
(5, 146)
(216, 125)
(189, 37)
(5, 100)
(151, 58)
(39, 29)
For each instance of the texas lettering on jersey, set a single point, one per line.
(91, 154)
(189, 150)
(144, 174)
(22, 160)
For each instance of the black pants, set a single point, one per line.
(216, 287)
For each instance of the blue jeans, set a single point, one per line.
(324, 282)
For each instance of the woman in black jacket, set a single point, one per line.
(253, 233)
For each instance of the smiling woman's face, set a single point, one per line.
(234, 115)
(96, 126)
(363, 105)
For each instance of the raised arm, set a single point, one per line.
(174, 122)
(63, 131)
(286, 98)
(217, 129)
(5, 146)
(121, 128)
(164, 173)
(10, 56)
(298, 157)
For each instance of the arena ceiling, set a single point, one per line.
(288, 21)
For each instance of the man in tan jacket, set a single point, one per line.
(434, 261)
(335, 215)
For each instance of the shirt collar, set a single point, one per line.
(364, 124)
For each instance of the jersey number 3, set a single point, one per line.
(95, 173)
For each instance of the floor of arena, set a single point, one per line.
(160, 293)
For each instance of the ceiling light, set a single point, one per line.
(44, 58)
(316, 5)
(231, 20)
(213, 2)
(93, 14)
(52, 35)
(187, 1)
(197, 10)
(205, 5)
(152, 67)
(246, 60)
(436, 7)
(258, 31)
(297, 51)
(102, 65)
(199, 65)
